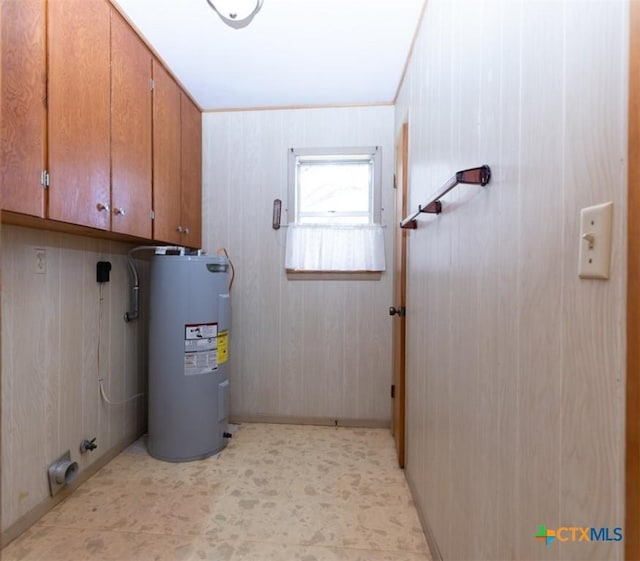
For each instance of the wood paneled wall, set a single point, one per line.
(57, 339)
(516, 367)
(299, 349)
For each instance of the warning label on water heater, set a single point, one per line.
(200, 348)
(223, 347)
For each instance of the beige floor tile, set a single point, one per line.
(181, 509)
(68, 544)
(259, 551)
(317, 522)
(381, 489)
(276, 492)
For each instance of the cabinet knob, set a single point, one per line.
(102, 207)
(119, 211)
(179, 229)
(186, 231)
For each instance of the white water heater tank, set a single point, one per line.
(188, 356)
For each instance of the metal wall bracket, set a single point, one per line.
(473, 176)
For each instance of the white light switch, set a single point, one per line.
(595, 241)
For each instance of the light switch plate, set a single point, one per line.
(594, 260)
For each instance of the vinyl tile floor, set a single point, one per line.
(275, 493)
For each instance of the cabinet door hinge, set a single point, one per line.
(393, 391)
(44, 179)
(152, 214)
(395, 181)
(151, 84)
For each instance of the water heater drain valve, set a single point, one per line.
(88, 445)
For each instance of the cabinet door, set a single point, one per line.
(22, 105)
(166, 156)
(191, 163)
(79, 112)
(130, 131)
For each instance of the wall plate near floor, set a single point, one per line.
(62, 472)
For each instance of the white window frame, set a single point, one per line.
(370, 233)
(376, 189)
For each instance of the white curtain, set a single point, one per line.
(335, 248)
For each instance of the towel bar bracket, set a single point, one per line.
(434, 207)
(474, 176)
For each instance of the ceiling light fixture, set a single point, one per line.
(236, 13)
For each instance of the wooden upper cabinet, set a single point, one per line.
(79, 111)
(166, 157)
(76, 99)
(130, 131)
(191, 163)
(22, 106)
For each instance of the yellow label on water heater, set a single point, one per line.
(223, 347)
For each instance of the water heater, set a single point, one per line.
(188, 356)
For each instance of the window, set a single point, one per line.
(335, 188)
(334, 210)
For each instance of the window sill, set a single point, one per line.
(334, 275)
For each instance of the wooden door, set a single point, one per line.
(22, 106)
(399, 295)
(191, 164)
(130, 131)
(632, 433)
(166, 157)
(79, 112)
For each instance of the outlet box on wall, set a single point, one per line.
(40, 263)
(102, 271)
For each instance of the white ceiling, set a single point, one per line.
(294, 52)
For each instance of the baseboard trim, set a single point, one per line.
(319, 421)
(30, 518)
(436, 555)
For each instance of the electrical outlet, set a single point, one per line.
(40, 264)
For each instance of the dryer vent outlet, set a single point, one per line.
(62, 472)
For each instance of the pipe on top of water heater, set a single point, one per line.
(134, 312)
